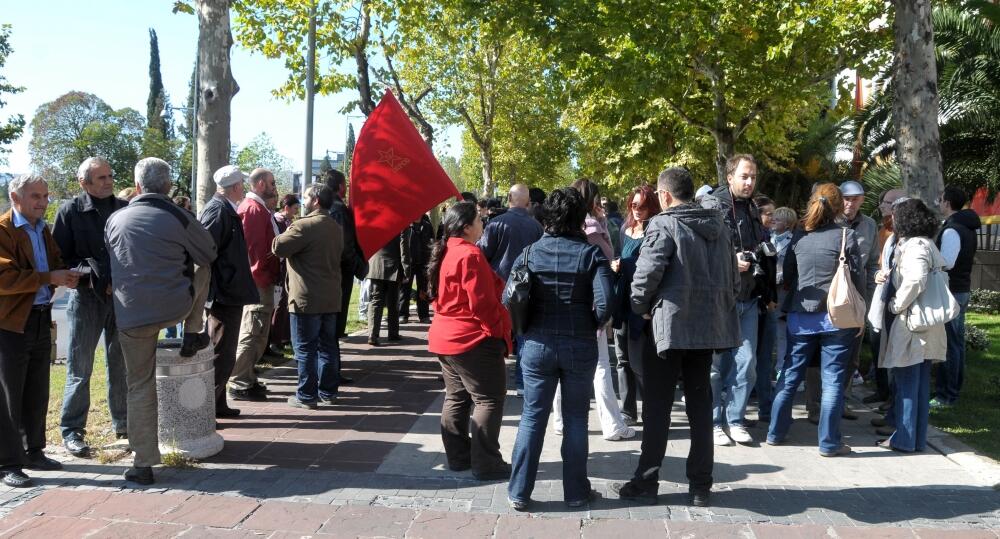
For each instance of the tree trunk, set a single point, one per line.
(915, 103)
(487, 154)
(216, 88)
(724, 149)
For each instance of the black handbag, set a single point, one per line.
(516, 294)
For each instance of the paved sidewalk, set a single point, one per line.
(373, 466)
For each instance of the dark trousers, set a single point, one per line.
(346, 288)
(384, 294)
(475, 383)
(224, 329)
(24, 388)
(626, 376)
(659, 381)
(406, 293)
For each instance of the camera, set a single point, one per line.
(765, 248)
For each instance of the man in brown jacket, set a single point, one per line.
(313, 247)
(30, 269)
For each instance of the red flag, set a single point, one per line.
(395, 177)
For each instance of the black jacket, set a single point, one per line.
(79, 233)
(420, 238)
(965, 223)
(352, 260)
(743, 219)
(232, 283)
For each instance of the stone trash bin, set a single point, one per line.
(185, 388)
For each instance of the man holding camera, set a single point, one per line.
(734, 370)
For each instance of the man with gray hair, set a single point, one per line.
(30, 269)
(154, 246)
(79, 232)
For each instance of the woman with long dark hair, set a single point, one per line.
(470, 334)
(642, 205)
(568, 301)
(811, 262)
(909, 354)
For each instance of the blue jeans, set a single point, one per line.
(834, 348)
(88, 316)
(951, 373)
(547, 361)
(734, 371)
(518, 373)
(911, 406)
(314, 340)
(765, 363)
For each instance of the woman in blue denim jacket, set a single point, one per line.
(570, 293)
(810, 265)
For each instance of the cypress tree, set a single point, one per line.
(157, 99)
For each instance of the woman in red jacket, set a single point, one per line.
(471, 336)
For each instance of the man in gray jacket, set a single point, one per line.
(686, 281)
(154, 246)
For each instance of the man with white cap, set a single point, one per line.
(866, 234)
(232, 286)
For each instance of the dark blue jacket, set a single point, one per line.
(571, 287)
(506, 236)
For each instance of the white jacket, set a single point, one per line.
(914, 258)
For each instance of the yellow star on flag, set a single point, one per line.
(393, 161)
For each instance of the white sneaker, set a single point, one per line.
(625, 434)
(740, 435)
(720, 436)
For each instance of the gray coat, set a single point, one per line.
(812, 261)
(153, 246)
(687, 278)
(866, 235)
(391, 262)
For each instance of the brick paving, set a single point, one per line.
(372, 466)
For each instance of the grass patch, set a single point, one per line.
(974, 418)
(174, 459)
(100, 432)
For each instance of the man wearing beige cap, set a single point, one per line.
(232, 286)
(259, 229)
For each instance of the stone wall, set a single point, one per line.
(986, 270)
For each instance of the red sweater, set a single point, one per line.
(467, 308)
(259, 233)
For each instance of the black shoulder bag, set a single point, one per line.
(516, 294)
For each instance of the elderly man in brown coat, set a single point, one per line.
(313, 247)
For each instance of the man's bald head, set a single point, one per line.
(519, 196)
(262, 183)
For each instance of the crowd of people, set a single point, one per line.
(719, 289)
(715, 288)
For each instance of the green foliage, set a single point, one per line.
(78, 125)
(967, 43)
(280, 29)
(677, 80)
(984, 301)
(157, 102)
(976, 338)
(12, 128)
(260, 152)
(349, 151)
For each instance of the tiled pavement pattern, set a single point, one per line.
(101, 513)
(373, 466)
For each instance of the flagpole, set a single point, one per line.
(310, 78)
